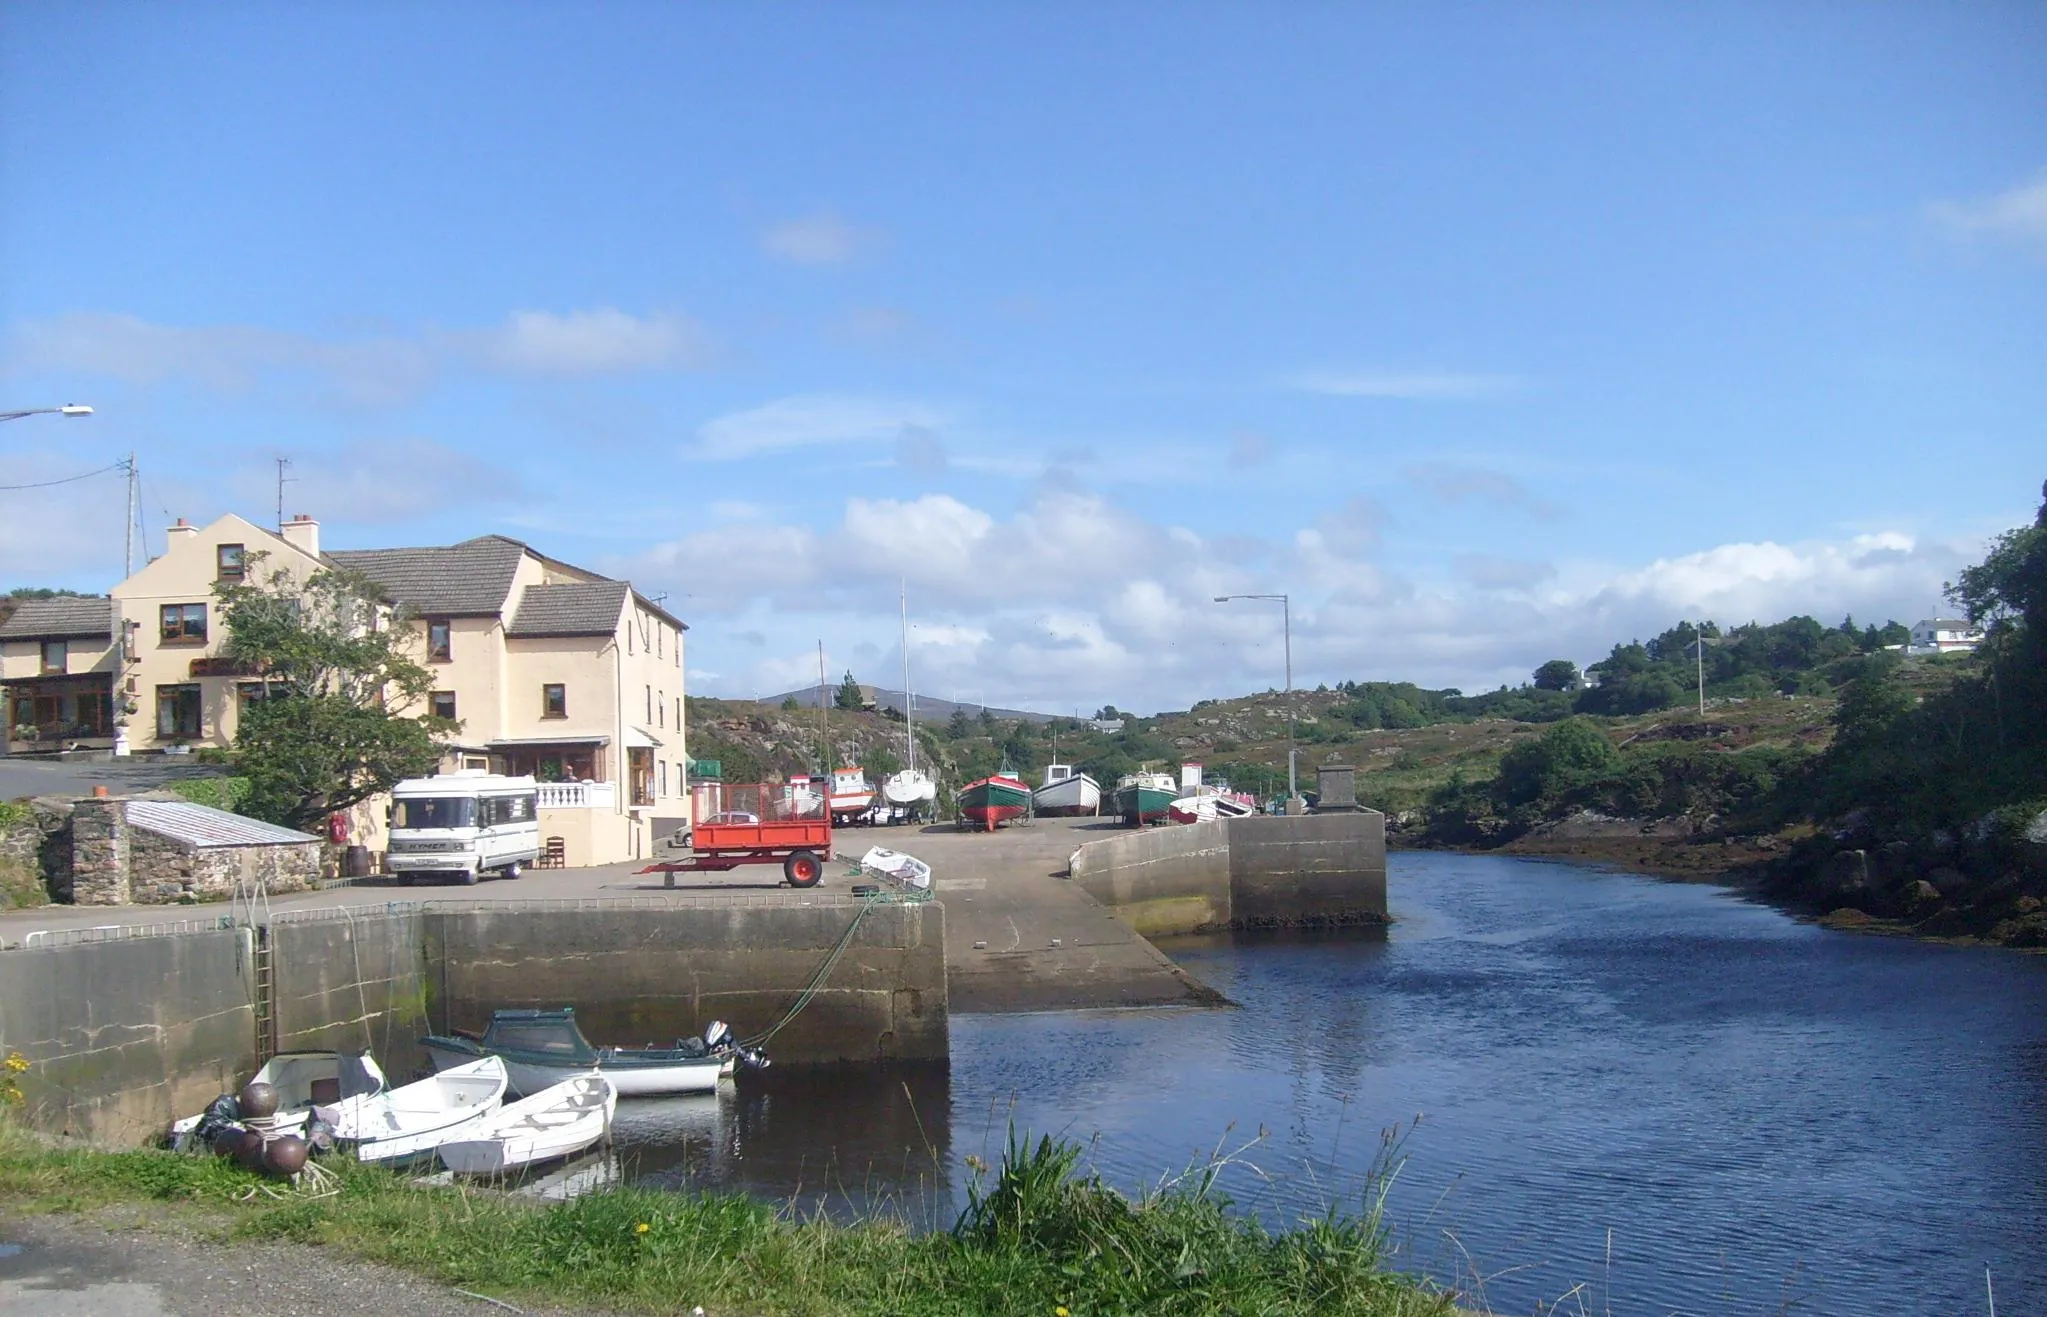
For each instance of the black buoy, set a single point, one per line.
(258, 1100)
(285, 1156)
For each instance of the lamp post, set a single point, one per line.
(68, 409)
(1286, 623)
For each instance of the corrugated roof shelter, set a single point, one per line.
(203, 827)
(61, 618)
(577, 608)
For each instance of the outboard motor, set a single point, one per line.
(717, 1034)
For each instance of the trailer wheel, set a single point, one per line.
(803, 869)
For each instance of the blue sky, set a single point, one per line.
(1490, 333)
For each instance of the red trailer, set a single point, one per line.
(787, 823)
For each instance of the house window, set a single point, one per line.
(227, 562)
(443, 704)
(664, 777)
(554, 700)
(95, 713)
(660, 641)
(182, 624)
(678, 712)
(177, 712)
(650, 704)
(53, 656)
(661, 709)
(439, 640)
(248, 693)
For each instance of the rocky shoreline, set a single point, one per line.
(1984, 886)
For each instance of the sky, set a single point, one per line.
(1486, 333)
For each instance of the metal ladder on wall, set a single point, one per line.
(249, 907)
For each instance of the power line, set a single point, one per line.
(45, 484)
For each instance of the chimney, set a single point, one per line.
(302, 532)
(179, 534)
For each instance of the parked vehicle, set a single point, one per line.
(463, 825)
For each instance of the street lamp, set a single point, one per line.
(1287, 634)
(68, 409)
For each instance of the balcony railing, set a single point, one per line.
(578, 795)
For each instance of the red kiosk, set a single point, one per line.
(787, 823)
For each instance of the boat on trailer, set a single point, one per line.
(412, 1121)
(994, 800)
(1067, 790)
(556, 1122)
(542, 1048)
(1145, 797)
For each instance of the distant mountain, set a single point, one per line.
(929, 707)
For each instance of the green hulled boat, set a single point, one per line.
(994, 799)
(1145, 797)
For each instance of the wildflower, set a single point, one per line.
(975, 1164)
(642, 1228)
(17, 1062)
(1060, 1311)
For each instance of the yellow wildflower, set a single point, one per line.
(17, 1062)
(1060, 1311)
(641, 1228)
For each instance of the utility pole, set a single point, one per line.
(134, 496)
(283, 464)
(1699, 638)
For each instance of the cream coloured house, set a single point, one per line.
(56, 667)
(551, 669)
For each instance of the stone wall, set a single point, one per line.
(99, 854)
(163, 870)
(1160, 880)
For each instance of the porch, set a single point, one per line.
(51, 713)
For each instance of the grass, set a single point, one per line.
(1037, 1237)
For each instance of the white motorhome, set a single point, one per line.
(463, 825)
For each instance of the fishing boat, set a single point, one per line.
(412, 1121)
(1067, 790)
(541, 1048)
(910, 789)
(1145, 797)
(1206, 805)
(994, 800)
(556, 1122)
(299, 1080)
(851, 793)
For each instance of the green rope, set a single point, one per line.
(831, 960)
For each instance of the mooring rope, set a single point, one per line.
(831, 960)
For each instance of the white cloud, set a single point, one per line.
(2016, 215)
(1073, 601)
(1413, 385)
(1454, 482)
(362, 371)
(821, 239)
(595, 342)
(806, 421)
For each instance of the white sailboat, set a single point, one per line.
(909, 789)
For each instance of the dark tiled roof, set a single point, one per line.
(579, 608)
(469, 579)
(60, 619)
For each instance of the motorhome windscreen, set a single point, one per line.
(434, 812)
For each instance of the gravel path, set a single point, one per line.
(113, 1264)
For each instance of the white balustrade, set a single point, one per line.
(578, 795)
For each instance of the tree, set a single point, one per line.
(333, 728)
(1557, 675)
(958, 727)
(789, 704)
(987, 721)
(849, 696)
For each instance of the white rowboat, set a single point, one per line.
(553, 1123)
(414, 1120)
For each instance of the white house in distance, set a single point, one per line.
(553, 670)
(1944, 635)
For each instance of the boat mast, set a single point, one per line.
(824, 735)
(909, 733)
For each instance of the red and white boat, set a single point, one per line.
(1207, 805)
(851, 792)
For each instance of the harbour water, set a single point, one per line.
(1612, 1093)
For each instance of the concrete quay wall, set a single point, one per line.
(652, 975)
(1304, 871)
(125, 1034)
(122, 1037)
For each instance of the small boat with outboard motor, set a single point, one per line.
(542, 1048)
(287, 1087)
(558, 1121)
